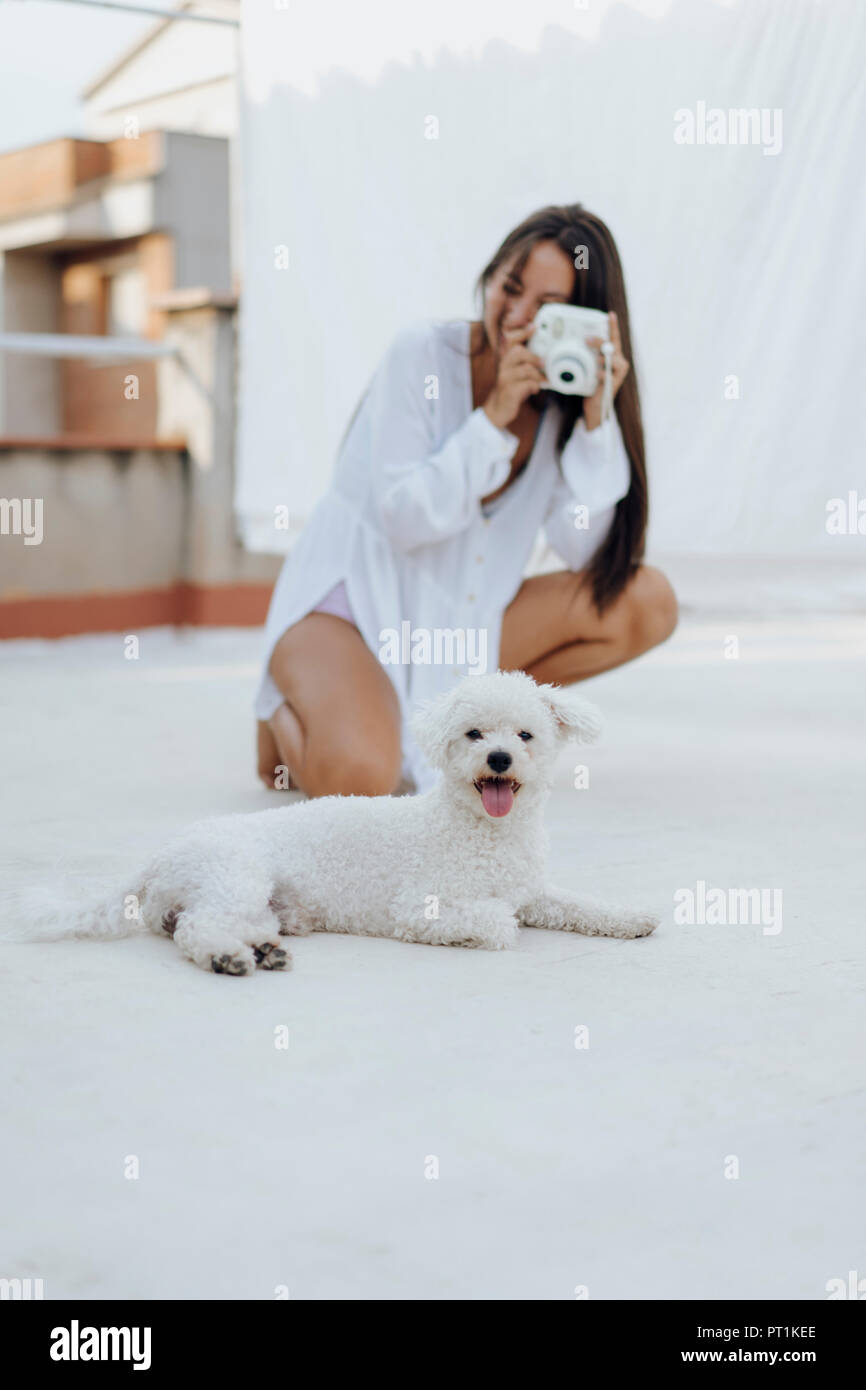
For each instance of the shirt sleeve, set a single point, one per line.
(425, 494)
(596, 474)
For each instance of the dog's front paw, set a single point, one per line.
(216, 950)
(499, 938)
(635, 924)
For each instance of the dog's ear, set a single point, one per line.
(576, 719)
(430, 725)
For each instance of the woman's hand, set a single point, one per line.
(619, 371)
(519, 375)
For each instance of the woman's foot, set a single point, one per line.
(280, 748)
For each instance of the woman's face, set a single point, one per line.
(513, 298)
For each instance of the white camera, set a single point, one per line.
(561, 330)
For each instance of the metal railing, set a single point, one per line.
(84, 345)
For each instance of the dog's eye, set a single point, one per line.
(473, 734)
(525, 735)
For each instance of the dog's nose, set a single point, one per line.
(499, 760)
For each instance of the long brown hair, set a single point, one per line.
(597, 285)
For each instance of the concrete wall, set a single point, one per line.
(111, 521)
(191, 201)
(196, 393)
(140, 536)
(30, 396)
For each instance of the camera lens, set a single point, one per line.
(566, 376)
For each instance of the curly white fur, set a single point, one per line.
(438, 868)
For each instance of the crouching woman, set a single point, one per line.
(458, 453)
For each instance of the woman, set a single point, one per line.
(455, 457)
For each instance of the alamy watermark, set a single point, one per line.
(853, 1287)
(721, 907)
(76, 1343)
(846, 516)
(737, 126)
(21, 1290)
(22, 516)
(438, 646)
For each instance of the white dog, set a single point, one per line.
(462, 865)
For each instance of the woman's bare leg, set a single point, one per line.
(338, 732)
(558, 638)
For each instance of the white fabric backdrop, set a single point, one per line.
(738, 262)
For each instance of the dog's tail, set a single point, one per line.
(60, 911)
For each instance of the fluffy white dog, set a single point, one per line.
(462, 865)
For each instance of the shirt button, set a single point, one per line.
(479, 559)
(470, 598)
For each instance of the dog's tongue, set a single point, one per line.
(497, 797)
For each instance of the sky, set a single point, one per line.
(49, 51)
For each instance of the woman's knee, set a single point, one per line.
(654, 608)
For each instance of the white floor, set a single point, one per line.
(558, 1167)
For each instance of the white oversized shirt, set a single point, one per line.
(428, 572)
